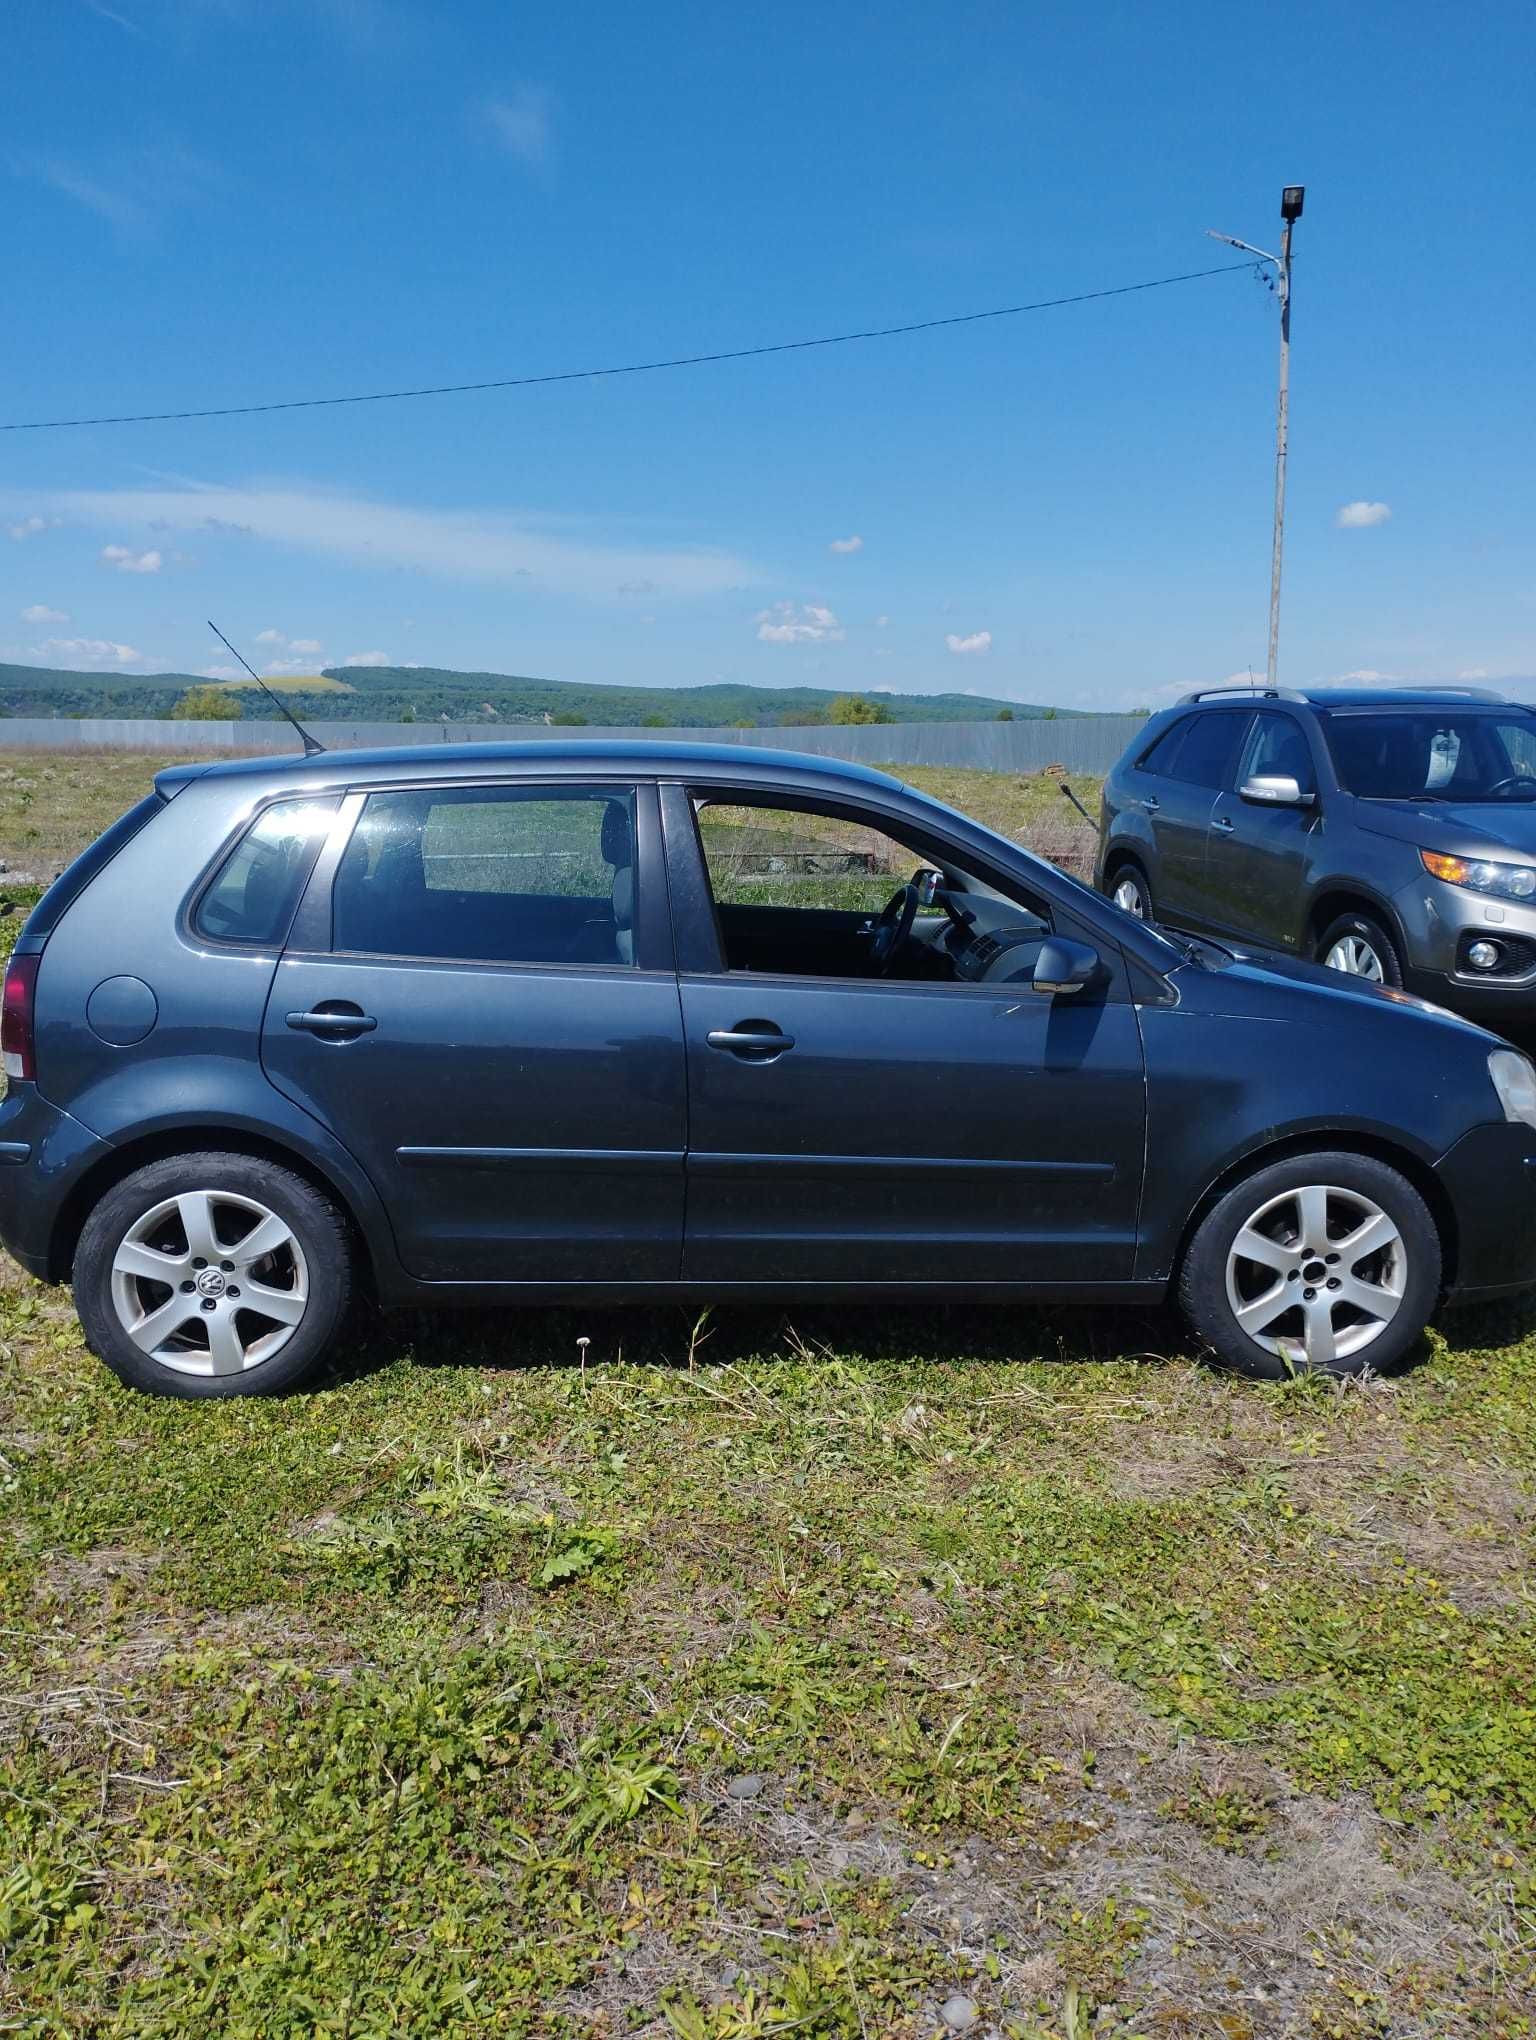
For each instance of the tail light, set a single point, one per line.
(16, 1037)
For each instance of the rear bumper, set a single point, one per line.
(43, 1154)
(1490, 1178)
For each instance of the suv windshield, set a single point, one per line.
(1458, 754)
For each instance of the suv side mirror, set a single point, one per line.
(1275, 789)
(1063, 967)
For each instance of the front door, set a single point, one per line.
(493, 1030)
(1257, 863)
(910, 1129)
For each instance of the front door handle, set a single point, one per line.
(752, 1041)
(1151, 803)
(1224, 823)
(337, 1021)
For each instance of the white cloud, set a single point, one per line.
(882, 623)
(811, 623)
(29, 527)
(847, 545)
(39, 612)
(458, 545)
(306, 647)
(367, 659)
(1474, 673)
(221, 673)
(978, 641)
(96, 651)
(274, 667)
(127, 561)
(1357, 516)
(522, 123)
(1364, 675)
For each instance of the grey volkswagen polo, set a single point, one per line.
(616, 1021)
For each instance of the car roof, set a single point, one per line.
(1349, 697)
(742, 764)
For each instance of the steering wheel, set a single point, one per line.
(1511, 780)
(889, 932)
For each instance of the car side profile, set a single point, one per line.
(1388, 833)
(521, 1023)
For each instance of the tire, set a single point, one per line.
(1362, 937)
(1293, 1216)
(1131, 881)
(172, 1320)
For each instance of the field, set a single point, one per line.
(834, 1673)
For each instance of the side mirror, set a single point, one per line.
(1275, 789)
(1063, 967)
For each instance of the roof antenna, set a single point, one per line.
(312, 745)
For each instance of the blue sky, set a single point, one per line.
(225, 201)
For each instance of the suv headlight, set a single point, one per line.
(1482, 874)
(1514, 1078)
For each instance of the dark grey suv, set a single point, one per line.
(1388, 834)
(605, 1021)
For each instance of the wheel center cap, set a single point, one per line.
(1313, 1272)
(210, 1282)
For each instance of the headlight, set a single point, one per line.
(1481, 874)
(1514, 1078)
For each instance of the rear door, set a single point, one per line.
(478, 1000)
(1181, 806)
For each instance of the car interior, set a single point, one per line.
(808, 892)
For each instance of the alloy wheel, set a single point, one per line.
(1127, 894)
(1316, 1274)
(1354, 955)
(209, 1282)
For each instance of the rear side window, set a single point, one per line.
(257, 887)
(1205, 756)
(491, 874)
(1163, 753)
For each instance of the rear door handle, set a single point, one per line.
(750, 1043)
(1151, 803)
(339, 1021)
(1224, 823)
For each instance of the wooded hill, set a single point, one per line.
(430, 693)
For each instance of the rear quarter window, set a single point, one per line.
(253, 894)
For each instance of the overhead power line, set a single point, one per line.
(523, 382)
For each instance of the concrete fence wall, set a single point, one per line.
(1080, 743)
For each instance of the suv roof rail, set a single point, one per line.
(1253, 693)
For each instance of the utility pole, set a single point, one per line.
(1292, 199)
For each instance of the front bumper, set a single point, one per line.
(1489, 1176)
(1439, 921)
(43, 1155)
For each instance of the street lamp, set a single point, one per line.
(1292, 199)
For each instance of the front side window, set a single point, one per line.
(493, 874)
(1434, 753)
(815, 893)
(1277, 748)
(258, 885)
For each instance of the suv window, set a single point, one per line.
(1204, 756)
(257, 887)
(1444, 753)
(1277, 747)
(491, 874)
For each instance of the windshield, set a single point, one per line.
(1458, 754)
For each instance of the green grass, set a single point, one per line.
(1046, 1675)
(748, 1674)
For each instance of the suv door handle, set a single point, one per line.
(340, 1021)
(1224, 823)
(752, 1042)
(1151, 803)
